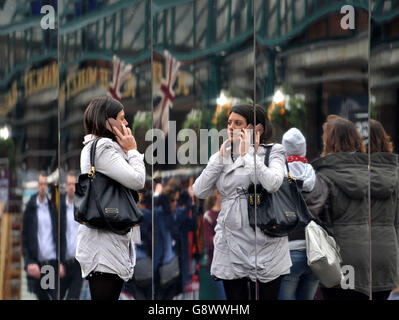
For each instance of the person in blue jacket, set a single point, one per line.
(172, 222)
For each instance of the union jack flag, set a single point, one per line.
(120, 74)
(166, 94)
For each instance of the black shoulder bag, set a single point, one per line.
(104, 203)
(277, 213)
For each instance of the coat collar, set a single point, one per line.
(234, 165)
(88, 138)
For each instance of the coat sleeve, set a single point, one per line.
(318, 202)
(270, 177)
(63, 229)
(205, 184)
(317, 198)
(26, 224)
(109, 161)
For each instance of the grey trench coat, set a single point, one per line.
(238, 253)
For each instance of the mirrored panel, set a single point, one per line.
(384, 97)
(312, 80)
(28, 150)
(105, 68)
(202, 67)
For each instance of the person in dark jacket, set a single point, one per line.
(171, 226)
(140, 286)
(342, 202)
(212, 206)
(384, 188)
(71, 284)
(39, 244)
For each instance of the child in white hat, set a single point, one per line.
(301, 283)
(295, 146)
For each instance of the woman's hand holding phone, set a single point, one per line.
(125, 138)
(258, 132)
(246, 138)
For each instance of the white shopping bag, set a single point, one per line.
(323, 255)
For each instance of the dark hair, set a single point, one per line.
(43, 174)
(71, 173)
(172, 186)
(247, 111)
(146, 199)
(341, 135)
(380, 141)
(96, 114)
(210, 201)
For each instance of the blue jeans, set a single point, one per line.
(301, 283)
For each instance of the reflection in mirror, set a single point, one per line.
(308, 66)
(105, 51)
(28, 152)
(384, 90)
(202, 66)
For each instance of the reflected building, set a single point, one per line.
(28, 125)
(384, 66)
(104, 49)
(308, 66)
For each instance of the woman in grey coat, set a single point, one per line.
(106, 258)
(242, 257)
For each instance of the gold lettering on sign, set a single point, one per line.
(182, 86)
(9, 100)
(104, 77)
(41, 79)
(129, 87)
(156, 74)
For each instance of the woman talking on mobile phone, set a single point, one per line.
(230, 171)
(106, 258)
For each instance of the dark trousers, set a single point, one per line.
(341, 294)
(45, 288)
(104, 286)
(71, 284)
(244, 289)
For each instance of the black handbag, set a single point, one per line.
(280, 212)
(104, 203)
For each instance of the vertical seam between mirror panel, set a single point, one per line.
(152, 154)
(59, 154)
(254, 140)
(368, 152)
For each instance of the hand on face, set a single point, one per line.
(245, 141)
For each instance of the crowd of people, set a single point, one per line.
(186, 220)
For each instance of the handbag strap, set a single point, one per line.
(93, 152)
(92, 175)
(267, 156)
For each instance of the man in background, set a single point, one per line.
(71, 284)
(39, 243)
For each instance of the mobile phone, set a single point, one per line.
(111, 122)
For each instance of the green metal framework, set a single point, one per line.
(206, 27)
